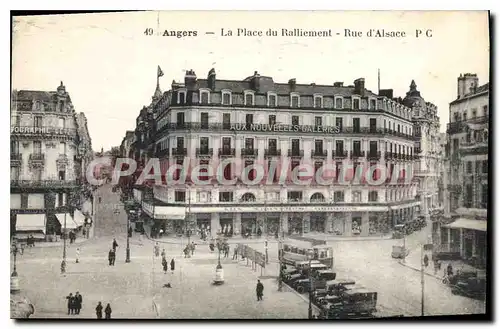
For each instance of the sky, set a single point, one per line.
(108, 64)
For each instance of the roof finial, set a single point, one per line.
(413, 85)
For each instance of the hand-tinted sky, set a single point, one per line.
(109, 66)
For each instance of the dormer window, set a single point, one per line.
(355, 103)
(294, 101)
(271, 100)
(318, 101)
(181, 97)
(339, 102)
(204, 97)
(38, 105)
(226, 97)
(373, 104)
(249, 98)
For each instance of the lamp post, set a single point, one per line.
(127, 251)
(63, 263)
(310, 313)
(281, 239)
(219, 272)
(14, 279)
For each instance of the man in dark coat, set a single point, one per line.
(172, 265)
(78, 302)
(259, 290)
(71, 303)
(115, 244)
(98, 311)
(110, 257)
(107, 311)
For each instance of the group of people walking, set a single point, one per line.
(74, 303)
(107, 311)
(164, 262)
(112, 253)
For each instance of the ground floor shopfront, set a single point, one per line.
(253, 220)
(468, 238)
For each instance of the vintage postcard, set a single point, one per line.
(249, 165)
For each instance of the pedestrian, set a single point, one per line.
(226, 251)
(107, 311)
(77, 255)
(110, 257)
(259, 290)
(157, 250)
(71, 302)
(172, 265)
(163, 254)
(98, 311)
(193, 247)
(115, 244)
(113, 258)
(165, 265)
(78, 302)
(100, 199)
(235, 253)
(449, 270)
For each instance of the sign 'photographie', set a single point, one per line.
(243, 165)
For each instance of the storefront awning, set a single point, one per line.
(31, 222)
(79, 218)
(70, 223)
(470, 224)
(171, 213)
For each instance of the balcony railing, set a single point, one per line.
(272, 152)
(47, 183)
(204, 151)
(179, 151)
(227, 152)
(339, 154)
(295, 153)
(16, 156)
(374, 155)
(318, 153)
(249, 152)
(459, 126)
(37, 157)
(359, 154)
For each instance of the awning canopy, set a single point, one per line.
(79, 218)
(470, 224)
(31, 222)
(70, 223)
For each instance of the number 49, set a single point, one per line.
(148, 31)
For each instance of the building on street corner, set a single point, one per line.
(464, 227)
(50, 149)
(258, 121)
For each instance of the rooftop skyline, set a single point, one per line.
(109, 65)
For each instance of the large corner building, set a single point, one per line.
(195, 117)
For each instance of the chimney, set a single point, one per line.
(292, 83)
(190, 79)
(338, 84)
(255, 83)
(359, 86)
(389, 93)
(211, 79)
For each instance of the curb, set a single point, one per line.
(271, 241)
(418, 270)
(41, 244)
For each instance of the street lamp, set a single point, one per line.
(14, 279)
(310, 256)
(63, 263)
(219, 272)
(127, 251)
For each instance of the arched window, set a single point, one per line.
(248, 197)
(317, 197)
